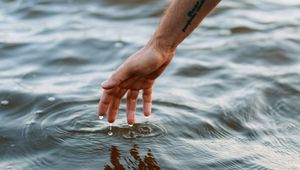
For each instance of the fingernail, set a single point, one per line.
(107, 84)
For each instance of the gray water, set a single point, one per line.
(230, 99)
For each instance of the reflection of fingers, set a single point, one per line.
(147, 101)
(131, 100)
(135, 154)
(104, 103)
(114, 105)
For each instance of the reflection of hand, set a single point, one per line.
(138, 72)
(134, 161)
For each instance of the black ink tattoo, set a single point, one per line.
(192, 13)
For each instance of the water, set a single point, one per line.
(229, 100)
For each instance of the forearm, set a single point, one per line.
(180, 19)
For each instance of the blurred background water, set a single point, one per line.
(230, 99)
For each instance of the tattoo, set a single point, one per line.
(192, 13)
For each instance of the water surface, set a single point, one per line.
(230, 99)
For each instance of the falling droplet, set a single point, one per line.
(146, 119)
(51, 99)
(31, 122)
(100, 117)
(131, 133)
(110, 133)
(4, 102)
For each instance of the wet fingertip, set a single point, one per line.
(111, 121)
(147, 114)
(130, 122)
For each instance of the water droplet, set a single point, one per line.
(4, 102)
(146, 119)
(110, 133)
(119, 44)
(30, 122)
(51, 99)
(39, 112)
(100, 117)
(9, 167)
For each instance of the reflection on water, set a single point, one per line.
(134, 161)
(229, 100)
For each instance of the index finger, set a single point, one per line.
(104, 102)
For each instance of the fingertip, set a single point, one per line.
(147, 109)
(101, 114)
(108, 84)
(111, 120)
(102, 109)
(131, 117)
(147, 114)
(130, 121)
(112, 115)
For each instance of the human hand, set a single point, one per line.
(137, 73)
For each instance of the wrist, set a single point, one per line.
(162, 46)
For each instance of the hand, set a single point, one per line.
(137, 73)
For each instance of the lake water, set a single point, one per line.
(230, 99)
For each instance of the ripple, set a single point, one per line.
(67, 61)
(194, 70)
(230, 100)
(242, 30)
(140, 130)
(68, 121)
(271, 53)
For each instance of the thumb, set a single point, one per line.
(108, 84)
(120, 75)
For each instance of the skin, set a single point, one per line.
(139, 71)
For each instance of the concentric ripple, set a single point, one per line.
(139, 130)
